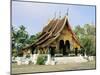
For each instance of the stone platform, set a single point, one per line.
(65, 60)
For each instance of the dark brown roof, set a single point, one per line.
(52, 31)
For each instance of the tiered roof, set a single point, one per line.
(52, 31)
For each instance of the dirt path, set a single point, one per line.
(16, 69)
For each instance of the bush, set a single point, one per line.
(14, 52)
(41, 59)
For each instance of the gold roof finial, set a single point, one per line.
(67, 11)
(55, 14)
(59, 14)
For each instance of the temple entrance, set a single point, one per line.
(52, 51)
(32, 50)
(67, 47)
(62, 47)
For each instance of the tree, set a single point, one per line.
(33, 38)
(89, 29)
(19, 38)
(22, 36)
(87, 43)
(13, 35)
(86, 36)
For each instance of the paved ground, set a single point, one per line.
(31, 68)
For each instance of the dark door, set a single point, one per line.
(62, 47)
(52, 51)
(67, 46)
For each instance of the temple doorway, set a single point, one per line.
(62, 47)
(52, 51)
(67, 47)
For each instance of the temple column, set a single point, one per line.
(85, 55)
(45, 50)
(48, 57)
(35, 56)
(76, 51)
(57, 49)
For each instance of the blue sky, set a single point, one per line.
(34, 16)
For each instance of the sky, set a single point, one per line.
(34, 16)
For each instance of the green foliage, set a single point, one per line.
(33, 38)
(86, 36)
(41, 59)
(88, 45)
(14, 53)
(21, 38)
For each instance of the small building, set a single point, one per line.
(57, 37)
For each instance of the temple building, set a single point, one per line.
(57, 37)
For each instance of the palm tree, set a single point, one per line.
(19, 38)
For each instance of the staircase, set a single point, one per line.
(65, 60)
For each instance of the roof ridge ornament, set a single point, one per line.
(67, 12)
(59, 14)
(55, 14)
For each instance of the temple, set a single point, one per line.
(56, 37)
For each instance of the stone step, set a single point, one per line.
(65, 60)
